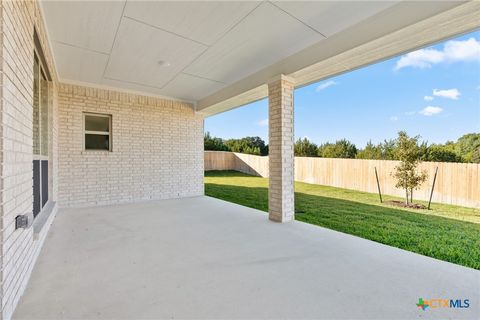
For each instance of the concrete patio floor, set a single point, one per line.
(206, 258)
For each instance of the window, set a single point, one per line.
(97, 131)
(40, 127)
(40, 109)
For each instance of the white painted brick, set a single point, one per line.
(17, 22)
(281, 204)
(155, 144)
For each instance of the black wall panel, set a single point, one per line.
(44, 182)
(36, 187)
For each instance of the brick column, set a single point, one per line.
(280, 144)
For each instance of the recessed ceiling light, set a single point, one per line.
(163, 63)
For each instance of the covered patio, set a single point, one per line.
(102, 107)
(201, 257)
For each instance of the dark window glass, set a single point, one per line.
(97, 142)
(37, 206)
(97, 123)
(44, 173)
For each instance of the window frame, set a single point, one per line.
(42, 72)
(100, 133)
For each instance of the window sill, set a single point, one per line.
(96, 152)
(42, 218)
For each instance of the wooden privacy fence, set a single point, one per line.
(457, 183)
(247, 163)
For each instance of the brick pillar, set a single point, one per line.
(281, 158)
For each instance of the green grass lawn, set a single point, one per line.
(446, 232)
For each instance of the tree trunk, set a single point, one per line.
(406, 196)
(411, 195)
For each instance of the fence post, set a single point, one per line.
(378, 185)
(433, 186)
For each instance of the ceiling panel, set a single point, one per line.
(192, 88)
(264, 37)
(87, 24)
(133, 87)
(78, 64)
(203, 21)
(330, 17)
(139, 48)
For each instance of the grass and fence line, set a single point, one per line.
(456, 183)
(446, 232)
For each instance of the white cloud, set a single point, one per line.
(467, 50)
(393, 118)
(428, 98)
(263, 123)
(325, 85)
(430, 111)
(423, 58)
(449, 93)
(453, 51)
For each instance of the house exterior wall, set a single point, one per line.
(19, 248)
(157, 149)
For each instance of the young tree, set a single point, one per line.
(305, 148)
(408, 152)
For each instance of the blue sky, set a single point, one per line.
(433, 92)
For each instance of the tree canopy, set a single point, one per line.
(382, 151)
(340, 149)
(305, 148)
(214, 144)
(249, 145)
(465, 149)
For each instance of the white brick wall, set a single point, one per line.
(18, 247)
(157, 149)
(281, 206)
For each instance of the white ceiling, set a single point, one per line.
(330, 17)
(265, 36)
(208, 45)
(138, 49)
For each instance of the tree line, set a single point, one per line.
(249, 145)
(465, 149)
